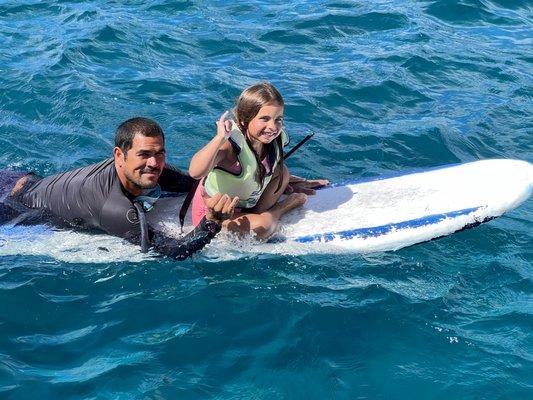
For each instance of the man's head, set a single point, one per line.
(139, 154)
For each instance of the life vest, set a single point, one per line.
(242, 184)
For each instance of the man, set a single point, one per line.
(113, 195)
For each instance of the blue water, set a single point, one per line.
(387, 86)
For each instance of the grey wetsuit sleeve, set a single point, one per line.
(187, 245)
(74, 198)
(118, 216)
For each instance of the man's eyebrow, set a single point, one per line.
(151, 151)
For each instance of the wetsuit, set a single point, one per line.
(93, 198)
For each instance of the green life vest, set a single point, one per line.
(243, 184)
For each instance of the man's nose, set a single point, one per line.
(152, 161)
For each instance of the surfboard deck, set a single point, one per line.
(390, 212)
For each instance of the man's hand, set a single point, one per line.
(220, 207)
(301, 185)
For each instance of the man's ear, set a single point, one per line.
(119, 156)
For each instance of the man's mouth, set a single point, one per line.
(150, 172)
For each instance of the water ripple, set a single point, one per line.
(159, 335)
(469, 12)
(56, 340)
(14, 285)
(90, 369)
(338, 25)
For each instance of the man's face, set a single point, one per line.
(142, 164)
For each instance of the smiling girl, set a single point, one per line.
(245, 159)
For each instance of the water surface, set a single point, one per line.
(386, 86)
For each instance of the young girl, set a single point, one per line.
(245, 159)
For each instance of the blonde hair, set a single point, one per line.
(246, 108)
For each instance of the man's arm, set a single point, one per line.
(174, 180)
(186, 246)
(219, 208)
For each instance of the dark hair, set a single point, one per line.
(127, 130)
(247, 107)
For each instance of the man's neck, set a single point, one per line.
(128, 186)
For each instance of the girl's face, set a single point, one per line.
(266, 125)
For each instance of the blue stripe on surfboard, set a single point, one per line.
(384, 229)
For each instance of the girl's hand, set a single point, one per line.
(301, 185)
(224, 126)
(213, 152)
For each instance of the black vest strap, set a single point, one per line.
(187, 203)
(297, 146)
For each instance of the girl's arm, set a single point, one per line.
(213, 152)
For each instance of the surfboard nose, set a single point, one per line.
(530, 178)
(508, 172)
(514, 178)
(525, 169)
(530, 173)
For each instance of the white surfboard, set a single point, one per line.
(409, 208)
(387, 213)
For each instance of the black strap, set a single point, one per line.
(187, 202)
(298, 145)
(145, 241)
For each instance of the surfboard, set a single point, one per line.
(389, 212)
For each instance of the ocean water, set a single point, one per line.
(386, 86)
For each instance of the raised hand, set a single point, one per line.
(224, 126)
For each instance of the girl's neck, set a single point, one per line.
(258, 147)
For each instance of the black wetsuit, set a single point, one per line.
(93, 198)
